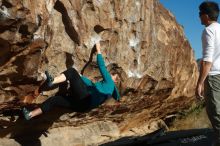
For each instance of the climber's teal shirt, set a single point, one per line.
(100, 91)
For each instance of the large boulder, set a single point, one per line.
(139, 38)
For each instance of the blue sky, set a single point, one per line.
(186, 13)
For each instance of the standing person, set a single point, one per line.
(208, 84)
(84, 94)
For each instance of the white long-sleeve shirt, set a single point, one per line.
(211, 47)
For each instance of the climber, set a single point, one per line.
(85, 94)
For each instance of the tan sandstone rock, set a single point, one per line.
(138, 37)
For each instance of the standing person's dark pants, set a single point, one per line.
(212, 94)
(78, 98)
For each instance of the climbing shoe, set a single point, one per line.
(49, 79)
(26, 114)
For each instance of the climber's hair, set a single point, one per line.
(210, 8)
(113, 72)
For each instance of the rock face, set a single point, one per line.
(140, 38)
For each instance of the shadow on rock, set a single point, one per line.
(29, 132)
(14, 126)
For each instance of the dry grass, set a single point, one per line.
(195, 120)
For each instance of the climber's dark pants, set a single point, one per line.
(66, 102)
(78, 88)
(212, 96)
(78, 97)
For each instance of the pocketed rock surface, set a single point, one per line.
(139, 38)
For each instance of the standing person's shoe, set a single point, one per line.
(49, 79)
(26, 113)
